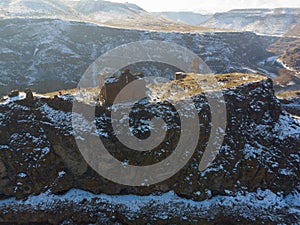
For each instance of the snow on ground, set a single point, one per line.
(262, 204)
(272, 75)
(287, 67)
(63, 120)
(287, 126)
(7, 99)
(296, 117)
(22, 95)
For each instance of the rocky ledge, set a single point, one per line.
(253, 180)
(290, 101)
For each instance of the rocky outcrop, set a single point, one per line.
(290, 101)
(38, 152)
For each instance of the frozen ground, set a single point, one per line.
(262, 204)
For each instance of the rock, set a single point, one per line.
(13, 93)
(258, 152)
(29, 94)
(66, 149)
(3, 171)
(180, 75)
(114, 85)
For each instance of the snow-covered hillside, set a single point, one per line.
(191, 18)
(46, 8)
(90, 7)
(263, 206)
(262, 21)
(48, 55)
(97, 11)
(35, 8)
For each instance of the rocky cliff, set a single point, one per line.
(263, 21)
(254, 178)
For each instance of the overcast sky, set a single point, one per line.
(209, 5)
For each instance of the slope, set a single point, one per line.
(263, 21)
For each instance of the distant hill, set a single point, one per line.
(36, 8)
(101, 12)
(288, 47)
(89, 7)
(262, 21)
(191, 18)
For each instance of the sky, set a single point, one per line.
(209, 5)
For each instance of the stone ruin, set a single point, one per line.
(16, 93)
(115, 84)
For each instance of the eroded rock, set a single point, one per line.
(260, 150)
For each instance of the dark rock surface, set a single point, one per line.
(38, 154)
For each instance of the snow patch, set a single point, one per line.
(263, 204)
(7, 100)
(287, 126)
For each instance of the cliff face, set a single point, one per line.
(260, 152)
(263, 21)
(290, 101)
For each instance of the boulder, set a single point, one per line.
(13, 93)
